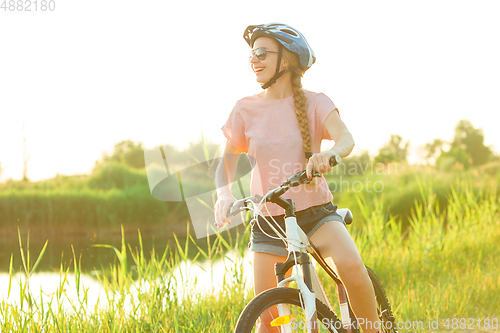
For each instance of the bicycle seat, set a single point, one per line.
(346, 215)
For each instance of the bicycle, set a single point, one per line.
(306, 307)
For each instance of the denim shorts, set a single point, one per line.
(309, 220)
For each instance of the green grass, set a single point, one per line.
(444, 266)
(401, 187)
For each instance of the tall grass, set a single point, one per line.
(398, 187)
(113, 194)
(85, 209)
(147, 298)
(444, 266)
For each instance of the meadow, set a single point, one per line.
(431, 237)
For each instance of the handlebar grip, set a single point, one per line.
(334, 160)
(232, 211)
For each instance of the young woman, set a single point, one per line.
(281, 129)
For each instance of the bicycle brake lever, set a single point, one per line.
(240, 205)
(305, 180)
(258, 198)
(236, 207)
(300, 178)
(297, 179)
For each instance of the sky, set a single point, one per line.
(90, 74)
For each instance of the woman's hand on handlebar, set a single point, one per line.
(224, 202)
(320, 162)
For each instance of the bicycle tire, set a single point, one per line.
(247, 322)
(384, 311)
(386, 317)
(354, 320)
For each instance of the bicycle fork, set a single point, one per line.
(309, 305)
(309, 298)
(306, 291)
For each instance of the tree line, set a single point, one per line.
(465, 150)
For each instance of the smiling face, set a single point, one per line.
(264, 69)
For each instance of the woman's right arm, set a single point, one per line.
(224, 177)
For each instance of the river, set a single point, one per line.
(203, 275)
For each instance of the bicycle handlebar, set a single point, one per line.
(294, 180)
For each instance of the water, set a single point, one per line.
(44, 286)
(59, 248)
(201, 276)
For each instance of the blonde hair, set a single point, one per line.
(299, 99)
(300, 104)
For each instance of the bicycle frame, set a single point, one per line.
(298, 253)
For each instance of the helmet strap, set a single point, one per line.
(278, 74)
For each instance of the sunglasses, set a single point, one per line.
(260, 53)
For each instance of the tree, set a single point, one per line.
(126, 152)
(471, 140)
(467, 148)
(431, 151)
(434, 149)
(393, 151)
(355, 164)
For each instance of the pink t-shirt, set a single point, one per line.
(268, 131)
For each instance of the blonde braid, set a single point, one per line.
(300, 109)
(300, 102)
(301, 112)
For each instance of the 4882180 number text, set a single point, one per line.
(28, 5)
(471, 323)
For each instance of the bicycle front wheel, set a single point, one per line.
(262, 310)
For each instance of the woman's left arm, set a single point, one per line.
(344, 143)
